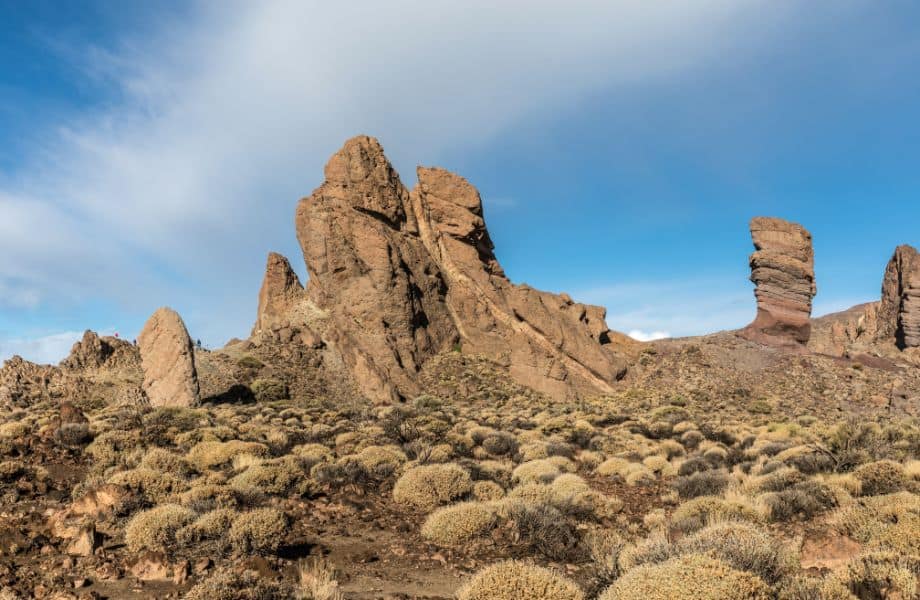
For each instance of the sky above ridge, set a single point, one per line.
(153, 155)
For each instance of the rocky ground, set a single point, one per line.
(714, 447)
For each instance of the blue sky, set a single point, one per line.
(154, 156)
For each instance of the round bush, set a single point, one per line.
(515, 580)
(155, 529)
(457, 524)
(882, 477)
(430, 486)
(689, 577)
(260, 530)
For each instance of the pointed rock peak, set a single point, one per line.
(93, 351)
(899, 312)
(404, 276)
(281, 291)
(783, 272)
(168, 360)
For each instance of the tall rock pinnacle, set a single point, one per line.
(405, 275)
(783, 271)
(168, 360)
(899, 312)
(280, 292)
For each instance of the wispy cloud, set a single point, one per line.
(46, 349)
(648, 336)
(174, 193)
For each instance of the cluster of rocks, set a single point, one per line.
(402, 275)
(782, 270)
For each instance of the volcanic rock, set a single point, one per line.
(403, 276)
(899, 312)
(168, 361)
(281, 291)
(93, 352)
(782, 269)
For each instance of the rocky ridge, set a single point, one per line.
(403, 276)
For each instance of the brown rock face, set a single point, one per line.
(168, 360)
(281, 290)
(404, 276)
(899, 312)
(783, 271)
(93, 352)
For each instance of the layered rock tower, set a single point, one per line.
(168, 360)
(899, 311)
(401, 276)
(783, 271)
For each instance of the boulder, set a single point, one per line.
(401, 276)
(899, 312)
(783, 272)
(168, 360)
(280, 293)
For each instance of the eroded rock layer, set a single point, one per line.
(783, 271)
(168, 360)
(403, 276)
(899, 312)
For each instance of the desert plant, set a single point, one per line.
(689, 577)
(881, 477)
(429, 486)
(257, 531)
(706, 483)
(155, 529)
(459, 523)
(267, 389)
(515, 580)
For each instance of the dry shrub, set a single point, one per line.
(487, 490)
(210, 525)
(155, 529)
(266, 389)
(541, 527)
(207, 455)
(278, 476)
(813, 588)
(208, 496)
(689, 577)
(881, 575)
(380, 462)
(703, 510)
(542, 470)
(804, 500)
(706, 483)
(165, 461)
(458, 524)
(113, 448)
(515, 580)
(156, 486)
(429, 486)
(318, 582)
(257, 531)
(881, 477)
(228, 584)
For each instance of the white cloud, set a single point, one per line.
(173, 194)
(648, 336)
(47, 349)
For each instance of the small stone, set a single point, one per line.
(202, 565)
(80, 582)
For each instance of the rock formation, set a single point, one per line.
(281, 292)
(782, 269)
(93, 352)
(899, 312)
(403, 276)
(168, 360)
